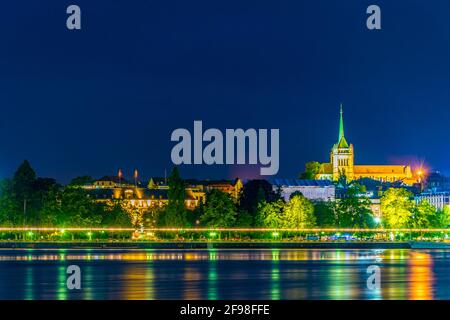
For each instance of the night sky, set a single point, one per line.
(109, 96)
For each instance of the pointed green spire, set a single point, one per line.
(341, 126)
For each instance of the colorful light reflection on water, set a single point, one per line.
(225, 274)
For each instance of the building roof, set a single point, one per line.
(113, 179)
(158, 180)
(379, 169)
(301, 182)
(341, 125)
(433, 194)
(211, 182)
(342, 143)
(153, 194)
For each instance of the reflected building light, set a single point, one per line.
(212, 280)
(29, 283)
(420, 276)
(61, 283)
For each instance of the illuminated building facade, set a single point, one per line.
(315, 190)
(231, 187)
(139, 198)
(342, 164)
(112, 190)
(438, 199)
(109, 182)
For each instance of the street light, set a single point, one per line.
(212, 234)
(420, 175)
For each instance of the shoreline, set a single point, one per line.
(222, 245)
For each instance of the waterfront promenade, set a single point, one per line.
(223, 245)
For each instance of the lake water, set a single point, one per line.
(225, 274)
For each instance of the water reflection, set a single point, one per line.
(225, 274)
(275, 292)
(212, 274)
(191, 255)
(420, 276)
(61, 284)
(29, 280)
(88, 278)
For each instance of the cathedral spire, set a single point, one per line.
(342, 143)
(341, 126)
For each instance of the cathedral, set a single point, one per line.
(342, 164)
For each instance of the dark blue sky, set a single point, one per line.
(109, 95)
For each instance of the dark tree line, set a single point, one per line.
(28, 200)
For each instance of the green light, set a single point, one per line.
(62, 231)
(275, 234)
(30, 234)
(212, 234)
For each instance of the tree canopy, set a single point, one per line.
(397, 208)
(175, 212)
(311, 170)
(298, 213)
(219, 211)
(353, 209)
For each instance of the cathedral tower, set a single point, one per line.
(341, 156)
(342, 164)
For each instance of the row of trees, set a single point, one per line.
(399, 211)
(298, 212)
(353, 210)
(219, 210)
(30, 200)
